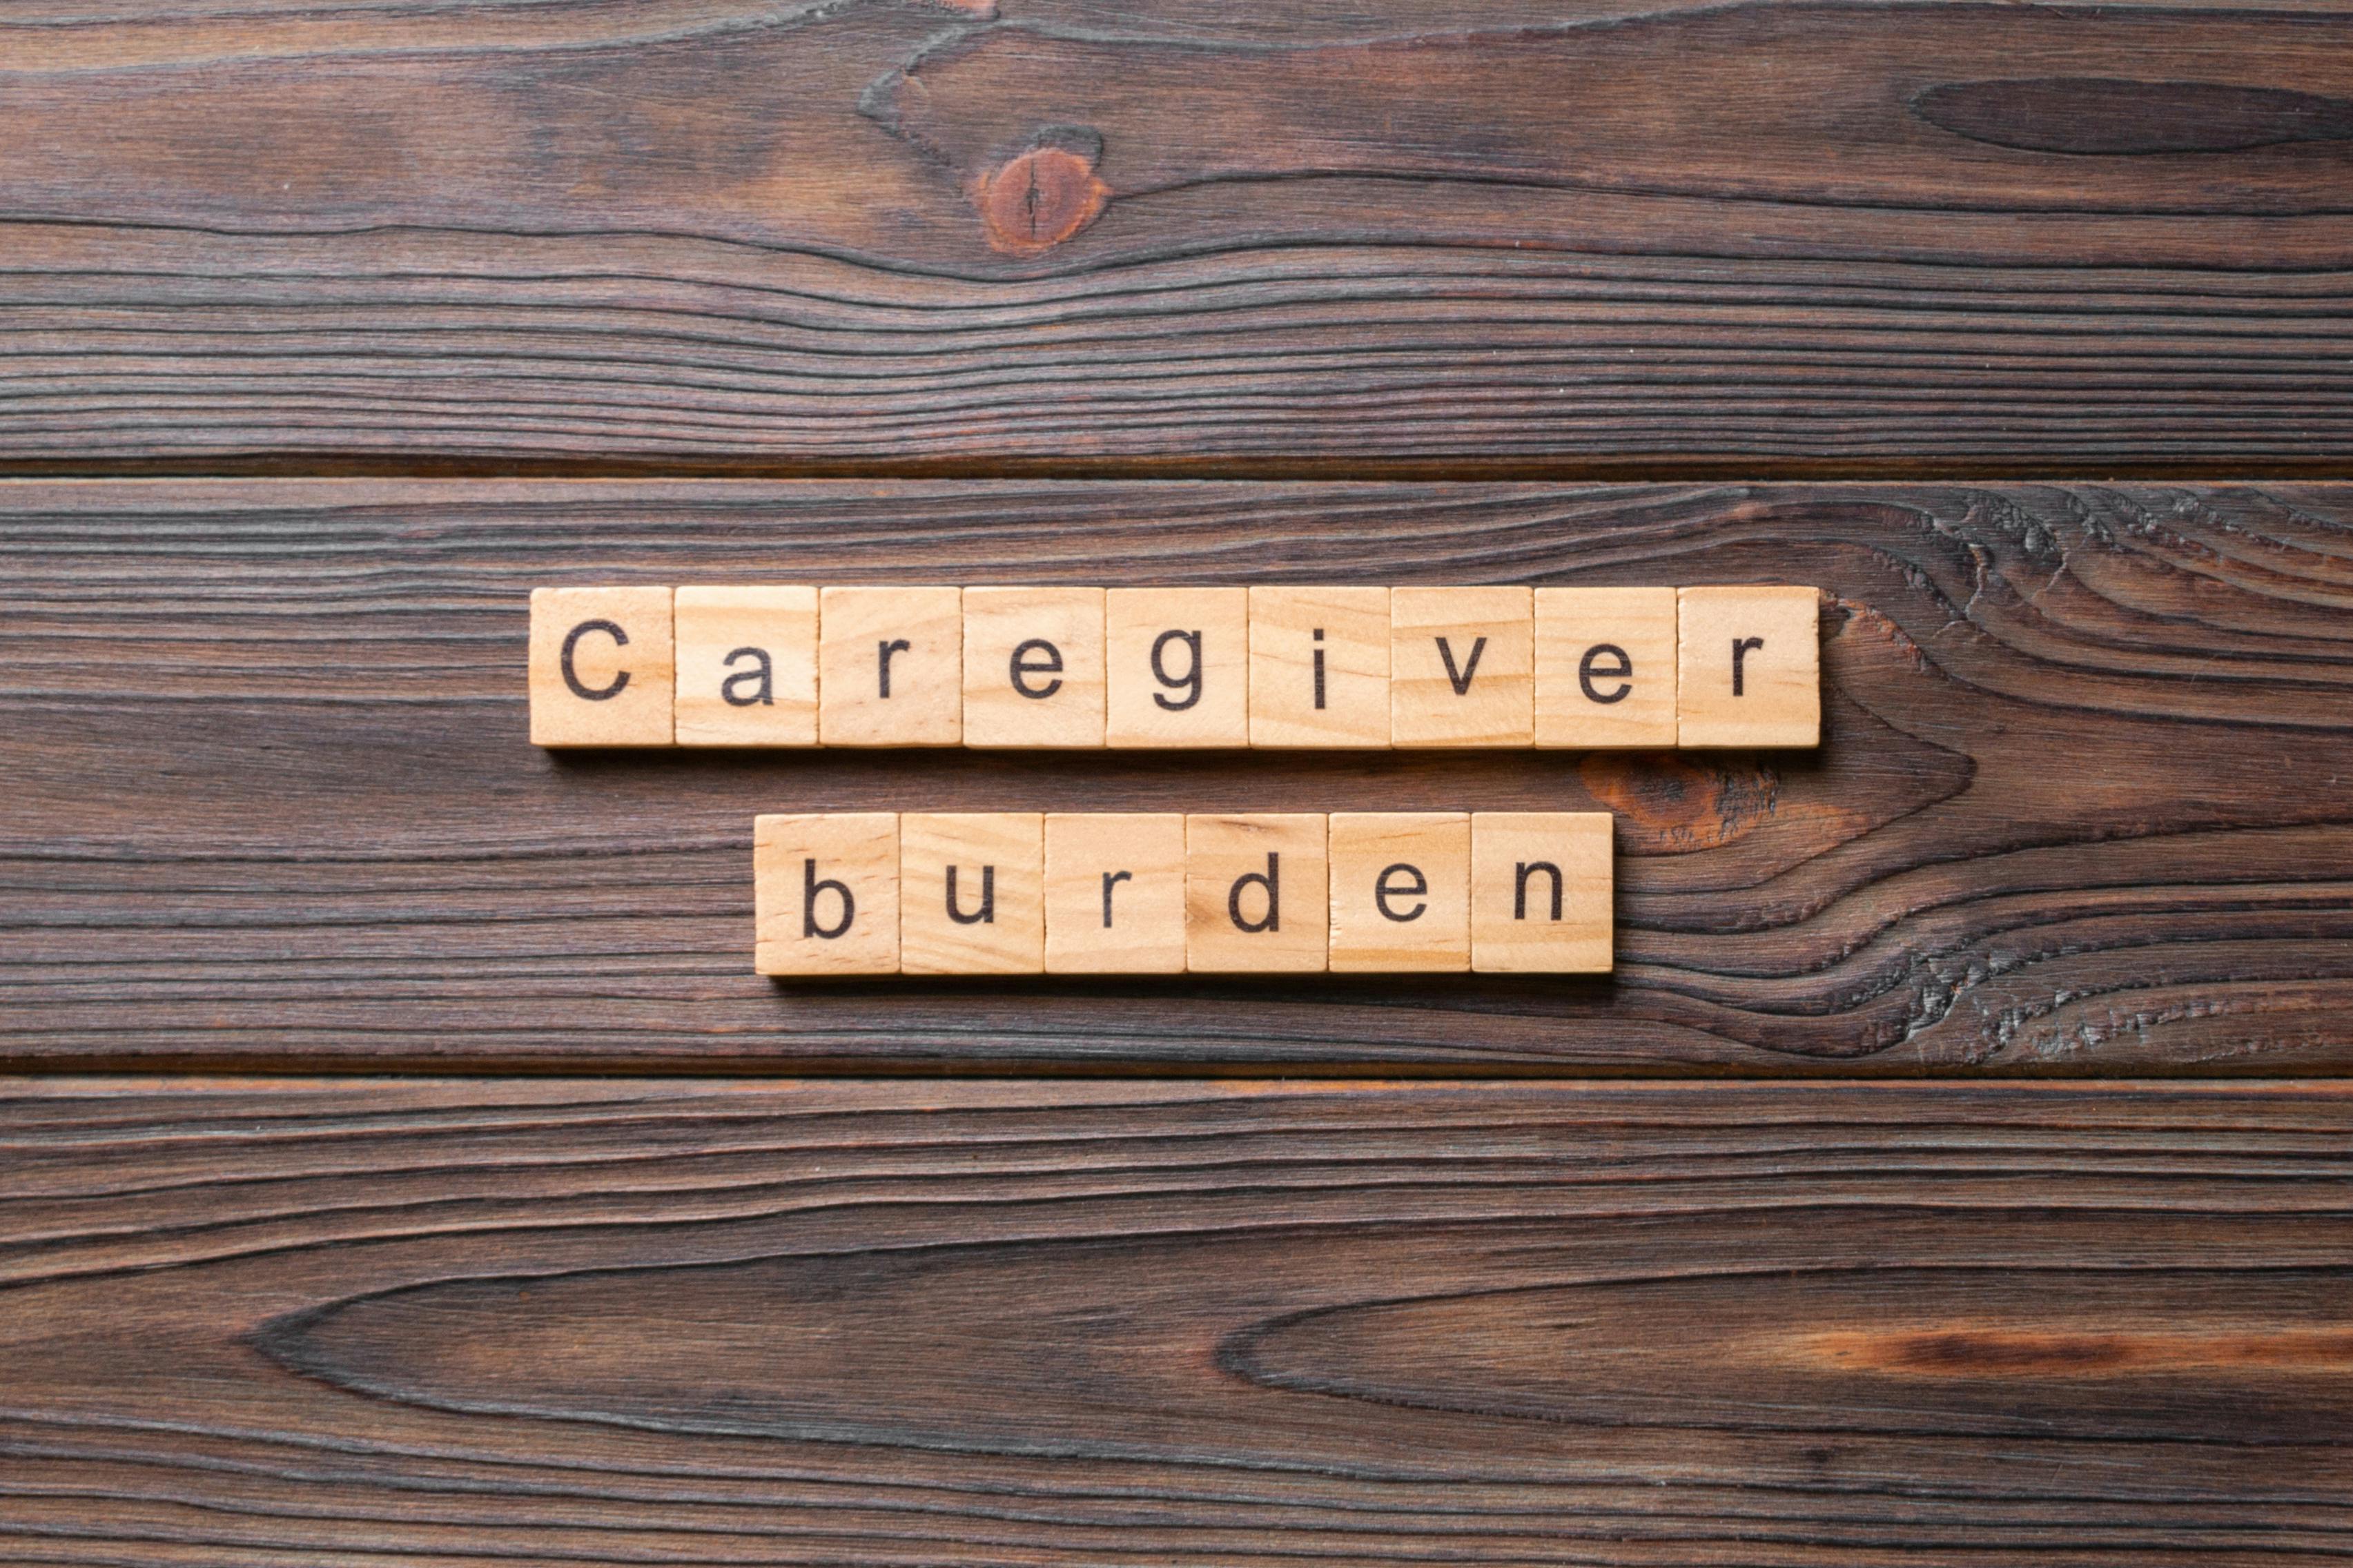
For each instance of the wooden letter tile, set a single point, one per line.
(1115, 893)
(1750, 671)
(1400, 891)
(826, 893)
(972, 894)
(746, 667)
(1462, 667)
(1606, 667)
(1319, 670)
(1540, 892)
(1033, 666)
(1178, 666)
(600, 666)
(1257, 893)
(891, 667)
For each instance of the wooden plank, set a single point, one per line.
(979, 232)
(539, 1321)
(2080, 805)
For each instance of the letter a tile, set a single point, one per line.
(1257, 892)
(1462, 667)
(746, 667)
(826, 893)
(972, 894)
(1750, 674)
(1033, 666)
(1115, 893)
(601, 669)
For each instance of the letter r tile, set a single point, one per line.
(1257, 892)
(1750, 670)
(889, 666)
(972, 894)
(826, 893)
(601, 670)
(1115, 893)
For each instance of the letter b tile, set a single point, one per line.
(1257, 892)
(601, 671)
(972, 894)
(826, 893)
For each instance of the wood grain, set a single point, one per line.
(2082, 805)
(1573, 235)
(643, 1321)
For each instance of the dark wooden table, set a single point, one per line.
(403, 1165)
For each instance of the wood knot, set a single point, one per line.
(1039, 199)
(1669, 802)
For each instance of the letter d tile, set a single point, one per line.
(1257, 892)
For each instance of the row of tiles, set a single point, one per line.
(1165, 893)
(1270, 666)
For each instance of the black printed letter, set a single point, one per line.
(758, 677)
(811, 889)
(1462, 677)
(1416, 886)
(571, 677)
(882, 657)
(1271, 882)
(986, 914)
(1740, 647)
(1523, 871)
(1191, 678)
(1112, 880)
(1023, 666)
(1620, 668)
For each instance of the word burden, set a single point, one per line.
(1271, 666)
(1031, 893)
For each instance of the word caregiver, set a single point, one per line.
(1031, 893)
(1271, 666)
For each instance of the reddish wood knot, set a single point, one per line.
(1672, 803)
(1039, 200)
